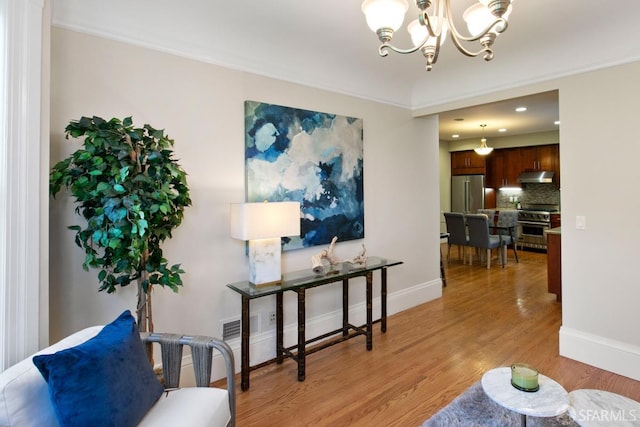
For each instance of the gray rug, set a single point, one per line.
(475, 408)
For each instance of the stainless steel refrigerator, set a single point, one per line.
(467, 193)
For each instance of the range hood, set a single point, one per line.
(538, 177)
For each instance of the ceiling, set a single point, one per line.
(327, 44)
(540, 116)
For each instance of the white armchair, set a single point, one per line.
(26, 399)
(179, 406)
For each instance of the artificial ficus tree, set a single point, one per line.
(131, 193)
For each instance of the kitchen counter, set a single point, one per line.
(556, 230)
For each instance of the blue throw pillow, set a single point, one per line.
(105, 381)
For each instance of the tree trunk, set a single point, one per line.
(143, 309)
(144, 312)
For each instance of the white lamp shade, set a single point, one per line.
(478, 17)
(384, 13)
(418, 32)
(252, 221)
(483, 151)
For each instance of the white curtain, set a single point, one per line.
(23, 209)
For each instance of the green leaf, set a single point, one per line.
(97, 161)
(84, 155)
(142, 226)
(103, 187)
(124, 173)
(119, 188)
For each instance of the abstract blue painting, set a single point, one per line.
(311, 157)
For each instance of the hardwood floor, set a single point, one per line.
(429, 355)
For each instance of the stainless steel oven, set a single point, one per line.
(531, 234)
(532, 223)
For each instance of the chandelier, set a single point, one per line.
(485, 20)
(483, 150)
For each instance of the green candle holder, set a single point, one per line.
(524, 377)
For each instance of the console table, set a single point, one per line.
(299, 282)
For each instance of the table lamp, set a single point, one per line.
(263, 225)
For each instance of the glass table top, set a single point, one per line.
(307, 278)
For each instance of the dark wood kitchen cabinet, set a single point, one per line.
(542, 158)
(503, 168)
(467, 162)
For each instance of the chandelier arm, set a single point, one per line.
(499, 30)
(424, 19)
(383, 50)
(488, 52)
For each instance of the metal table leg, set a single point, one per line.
(301, 334)
(279, 328)
(369, 310)
(383, 299)
(345, 307)
(244, 345)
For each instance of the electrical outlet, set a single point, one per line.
(272, 317)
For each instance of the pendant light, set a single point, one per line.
(483, 150)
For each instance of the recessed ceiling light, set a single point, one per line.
(455, 135)
(502, 130)
(557, 122)
(521, 109)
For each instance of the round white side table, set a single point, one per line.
(550, 400)
(599, 408)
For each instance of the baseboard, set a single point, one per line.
(604, 353)
(263, 344)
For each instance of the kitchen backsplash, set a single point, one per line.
(546, 194)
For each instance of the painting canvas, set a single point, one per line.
(311, 157)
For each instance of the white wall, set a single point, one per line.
(201, 107)
(445, 182)
(599, 156)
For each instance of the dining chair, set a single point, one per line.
(480, 238)
(490, 213)
(457, 233)
(507, 225)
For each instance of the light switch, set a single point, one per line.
(581, 222)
